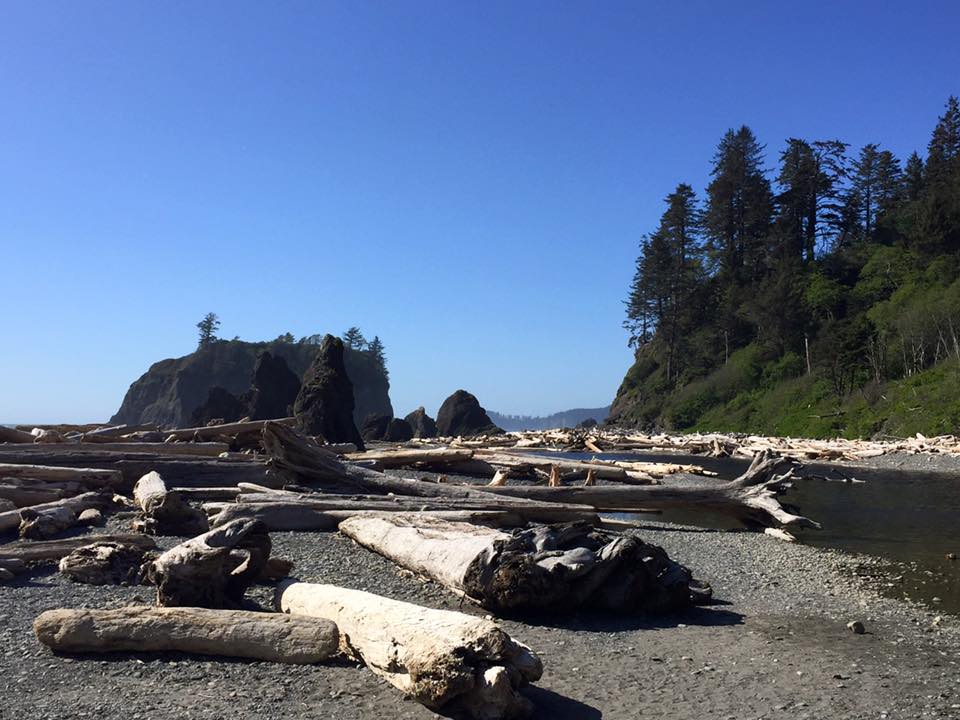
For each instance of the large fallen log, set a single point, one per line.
(750, 498)
(293, 517)
(163, 511)
(234, 428)
(562, 567)
(24, 492)
(214, 569)
(295, 459)
(11, 519)
(443, 659)
(273, 637)
(406, 457)
(87, 477)
(53, 550)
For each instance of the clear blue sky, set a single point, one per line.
(468, 180)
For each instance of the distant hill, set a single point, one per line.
(172, 389)
(565, 418)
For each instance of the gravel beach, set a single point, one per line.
(775, 645)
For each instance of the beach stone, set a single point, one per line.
(91, 516)
(856, 627)
(461, 414)
(422, 424)
(273, 388)
(324, 405)
(374, 427)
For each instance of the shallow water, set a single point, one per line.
(909, 518)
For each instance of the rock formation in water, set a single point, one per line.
(461, 414)
(325, 404)
(169, 392)
(273, 389)
(398, 430)
(422, 424)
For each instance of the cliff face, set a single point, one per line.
(169, 392)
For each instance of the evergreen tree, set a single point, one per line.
(943, 152)
(208, 328)
(354, 339)
(375, 349)
(739, 206)
(876, 183)
(913, 176)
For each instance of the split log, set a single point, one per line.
(104, 564)
(559, 568)
(224, 429)
(213, 569)
(163, 511)
(53, 550)
(24, 492)
(47, 523)
(10, 520)
(751, 498)
(443, 659)
(272, 637)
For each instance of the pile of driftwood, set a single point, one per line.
(507, 529)
(612, 440)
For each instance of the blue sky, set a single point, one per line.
(468, 180)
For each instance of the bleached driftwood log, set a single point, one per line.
(235, 428)
(214, 569)
(407, 457)
(11, 519)
(92, 478)
(560, 567)
(163, 511)
(52, 550)
(104, 564)
(273, 637)
(24, 492)
(751, 498)
(443, 659)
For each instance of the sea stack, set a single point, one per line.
(461, 414)
(324, 405)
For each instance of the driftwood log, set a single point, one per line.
(163, 511)
(235, 428)
(91, 478)
(107, 563)
(273, 637)
(750, 498)
(561, 567)
(56, 510)
(11, 435)
(441, 658)
(214, 569)
(52, 550)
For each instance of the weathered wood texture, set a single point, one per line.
(446, 660)
(561, 567)
(11, 519)
(163, 511)
(214, 569)
(273, 637)
(224, 429)
(104, 564)
(53, 550)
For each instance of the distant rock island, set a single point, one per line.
(171, 390)
(565, 418)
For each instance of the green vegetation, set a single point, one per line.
(824, 302)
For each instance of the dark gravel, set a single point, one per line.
(776, 646)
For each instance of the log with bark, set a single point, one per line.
(273, 637)
(750, 498)
(214, 569)
(55, 511)
(164, 512)
(106, 563)
(542, 567)
(446, 660)
(52, 550)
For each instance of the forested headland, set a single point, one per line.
(818, 297)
